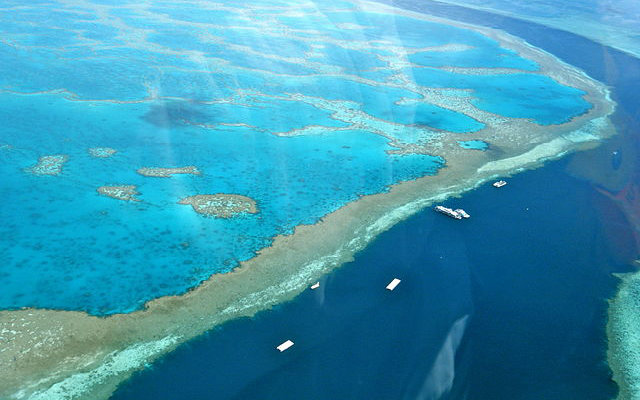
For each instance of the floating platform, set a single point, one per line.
(285, 345)
(392, 285)
(315, 286)
(499, 184)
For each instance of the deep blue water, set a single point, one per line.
(520, 288)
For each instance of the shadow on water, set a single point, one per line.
(509, 304)
(172, 114)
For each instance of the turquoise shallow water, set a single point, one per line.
(58, 229)
(171, 86)
(430, 115)
(515, 96)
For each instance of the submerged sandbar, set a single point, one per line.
(102, 152)
(120, 192)
(158, 172)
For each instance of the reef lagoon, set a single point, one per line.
(167, 168)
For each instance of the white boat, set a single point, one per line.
(499, 184)
(462, 213)
(315, 286)
(448, 211)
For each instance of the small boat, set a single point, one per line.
(315, 286)
(392, 285)
(285, 345)
(499, 184)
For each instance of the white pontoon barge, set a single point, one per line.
(392, 285)
(285, 345)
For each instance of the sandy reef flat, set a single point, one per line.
(158, 172)
(102, 152)
(49, 354)
(120, 192)
(49, 165)
(221, 205)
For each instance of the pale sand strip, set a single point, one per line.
(43, 351)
